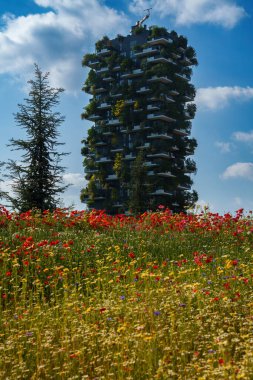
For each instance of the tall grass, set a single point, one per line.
(88, 296)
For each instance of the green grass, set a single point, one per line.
(88, 296)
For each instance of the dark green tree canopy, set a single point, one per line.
(37, 178)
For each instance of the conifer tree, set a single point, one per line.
(37, 178)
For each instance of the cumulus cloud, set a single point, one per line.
(244, 136)
(76, 179)
(224, 147)
(57, 39)
(214, 98)
(243, 170)
(185, 12)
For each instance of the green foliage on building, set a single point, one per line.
(136, 154)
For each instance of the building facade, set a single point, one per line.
(137, 153)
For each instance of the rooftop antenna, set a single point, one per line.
(140, 22)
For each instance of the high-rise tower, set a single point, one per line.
(137, 151)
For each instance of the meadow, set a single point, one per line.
(159, 296)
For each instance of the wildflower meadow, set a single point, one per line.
(89, 296)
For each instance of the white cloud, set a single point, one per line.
(57, 39)
(225, 147)
(76, 179)
(244, 136)
(213, 98)
(186, 12)
(243, 170)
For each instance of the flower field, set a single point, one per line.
(90, 296)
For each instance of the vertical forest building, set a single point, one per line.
(137, 154)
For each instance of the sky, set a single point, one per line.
(57, 33)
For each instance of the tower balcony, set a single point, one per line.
(188, 98)
(93, 117)
(174, 92)
(98, 90)
(107, 133)
(185, 187)
(103, 160)
(102, 70)
(116, 95)
(108, 79)
(116, 68)
(162, 136)
(129, 157)
(129, 101)
(161, 192)
(91, 171)
(103, 52)
(100, 143)
(161, 155)
(160, 59)
(117, 150)
(93, 63)
(112, 177)
(169, 100)
(132, 74)
(143, 90)
(160, 41)
(147, 51)
(166, 174)
(117, 205)
(163, 79)
(152, 107)
(181, 131)
(151, 173)
(113, 122)
(104, 106)
(150, 164)
(143, 146)
(174, 147)
(183, 76)
(160, 117)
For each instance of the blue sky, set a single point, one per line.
(56, 34)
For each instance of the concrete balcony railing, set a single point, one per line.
(185, 187)
(102, 70)
(163, 136)
(112, 177)
(160, 59)
(132, 74)
(160, 117)
(163, 79)
(99, 90)
(104, 51)
(183, 76)
(166, 174)
(129, 157)
(181, 131)
(161, 192)
(147, 51)
(160, 41)
(93, 117)
(160, 155)
(113, 122)
(152, 107)
(104, 105)
(103, 160)
(143, 90)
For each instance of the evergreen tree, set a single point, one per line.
(37, 178)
